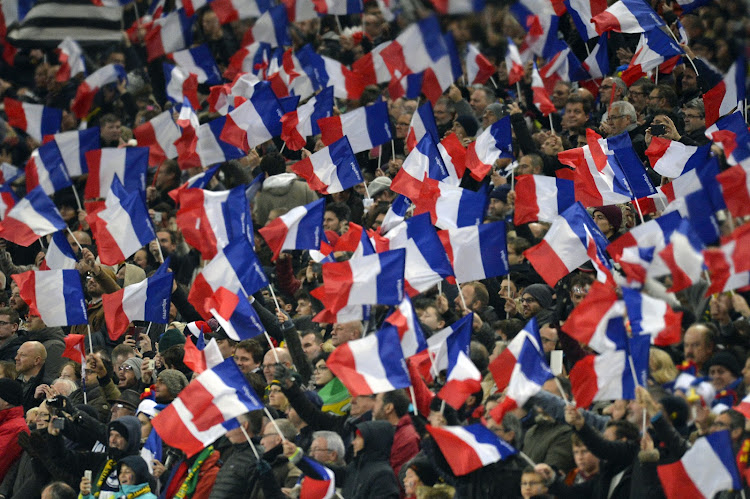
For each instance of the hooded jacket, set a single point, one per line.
(280, 191)
(370, 475)
(12, 423)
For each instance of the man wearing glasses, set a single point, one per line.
(9, 340)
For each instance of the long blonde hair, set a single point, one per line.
(661, 366)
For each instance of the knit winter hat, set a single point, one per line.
(10, 391)
(470, 124)
(612, 213)
(135, 363)
(174, 380)
(541, 293)
(171, 338)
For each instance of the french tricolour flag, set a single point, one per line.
(502, 367)
(598, 320)
(424, 160)
(730, 132)
(46, 168)
(735, 187)
(426, 262)
(608, 376)
(326, 72)
(418, 47)
(728, 264)
(255, 121)
(168, 34)
(370, 365)
(541, 198)
(450, 207)
(70, 57)
(365, 127)
(235, 314)
(180, 84)
(476, 252)
(338, 7)
(128, 164)
(9, 173)
(653, 317)
(492, 144)
(367, 280)
(596, 63)
(654, 49)
(564, 248)
(564, 66)
(210, 148)
(300, 10)
(540, 93)
(200, 62)
(708, 467)
(199, 181)
(462, 380)
(198, 416)
(478, 68)
(422, 122)
(211, 220)
(683, 257)
(159, 135)
(671, 158)
(654, 233)
(404, 319)
(582, 11)
(123, 226)
(250, 59)
(73, 147)
(8, 199)
(32, 217)
(332, 169)
(513, 62)
(271, 27)
(111, 73)
(468, 448)
(724, 97)
(59, 254)
(297, 125)
(529, 374)
(236, 267)
(54, 295)
(321, 484)
(444, 346)
(453, 153)
(147, 300)
(627, 16)
(34, 119)
(299, 228)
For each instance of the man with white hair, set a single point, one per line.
(622, 117)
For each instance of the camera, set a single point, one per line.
(58, 423)
(658, 130)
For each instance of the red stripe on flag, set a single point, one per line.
(16, 231)
(199, 401)
(337, 279)
(545, 261)
(527, 207)
(330, 129)
(146, 136)
(734, 187)
(93, 161)
(583, 381)
(341, 363)
(676, 482)
(174, 433)
(114, 314)
(306, 170)
(460, 456)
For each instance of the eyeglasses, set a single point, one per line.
(619, 116)
(268, 435)
(126, 368)
(605, 87)
(313, 450)
(635, 92)
(693, 117)
(528, 300)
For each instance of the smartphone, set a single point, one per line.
(157, 217)
(152, 364)
(58, 423)
(87, 475)
(658, 130)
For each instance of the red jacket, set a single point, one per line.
(405, 443)
(12, 423)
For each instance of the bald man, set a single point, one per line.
(269, 362)
(30, 360)
(346, 331)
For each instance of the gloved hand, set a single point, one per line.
(284, 375)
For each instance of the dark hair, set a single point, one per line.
(399, 400)
(11, 313)
(647, 85)
(257, 382)
(625, 429)
(273, 163)
(342, 211)
(667, 92)
(577, 99)
(736, 419)
(109, 118)
(254, 348)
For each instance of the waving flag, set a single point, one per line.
(462, 380)
(478, 68)
(31, 217)
(620, 151)
(252, 58)
(111, 73)
(46, 168)
(297, 125)
(75, 349)
(724, 97)
(396, 213)
(332, 169)
(529, 374)
(445, 345)
(450, 207)
(271, 27)
(8, 200)
(70, 57)
(540, 94)
(34, 119)
(200, 62)
(597, 62)
(698, 208)
(199, 181)
(73, 147)
(735, 186)
(201, 412)
(426, 264)
(654, 233)
(731, 134)
(9, 173)
(654, 49)
(492, 144)
(541, 198)
(180, 84)
(564, 66)
(326, 72)
(670, 158)
(211, 220)
(636, 263)
(683, 257)
(453, 153)
(417, 48)
(564, 248)
(404, 319)
(56, 296)
(159, 135)
(235, 314)
(368, 280)
(729, 264)
(424, 160)
(476, 252)
(653, 317)
(128, 164)
(152, 449)
(468, 448)
(627, 16)
(422, 122)
(513, 63)
(365, 127)
(211, 149)
(354, 240)
(59, 254)
(708, 467)
(503, 365)
(200, 356)
(147, 300)
(582, 11)
(168, 34)
(598, 320)
(255, 121)
(320, 485)
(608, 376)
(299, 228)
(123, 226)
(370, 365)
(234, 267)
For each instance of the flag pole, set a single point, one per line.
(161, 255)
(640, 212)
(442, 407)
(338, 23)
(492, 79)
(526, 458)
(91, 344)
(393, 149)
(252, 445)
(41, 243)
(463, 300)
(413, 400)
(283, 145)
(551, 126)
(273, 295)
(518, 91)
(74, 239)
(380, 155)
(75, 193)
(273, 422)
(562, 392)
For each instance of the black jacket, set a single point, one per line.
(233, 478)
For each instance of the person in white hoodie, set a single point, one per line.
(280, 189)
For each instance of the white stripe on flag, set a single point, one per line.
(134, 301)
(368, 363)
(363, 271)
(488, 454)
(50, 299)
(705, 468)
